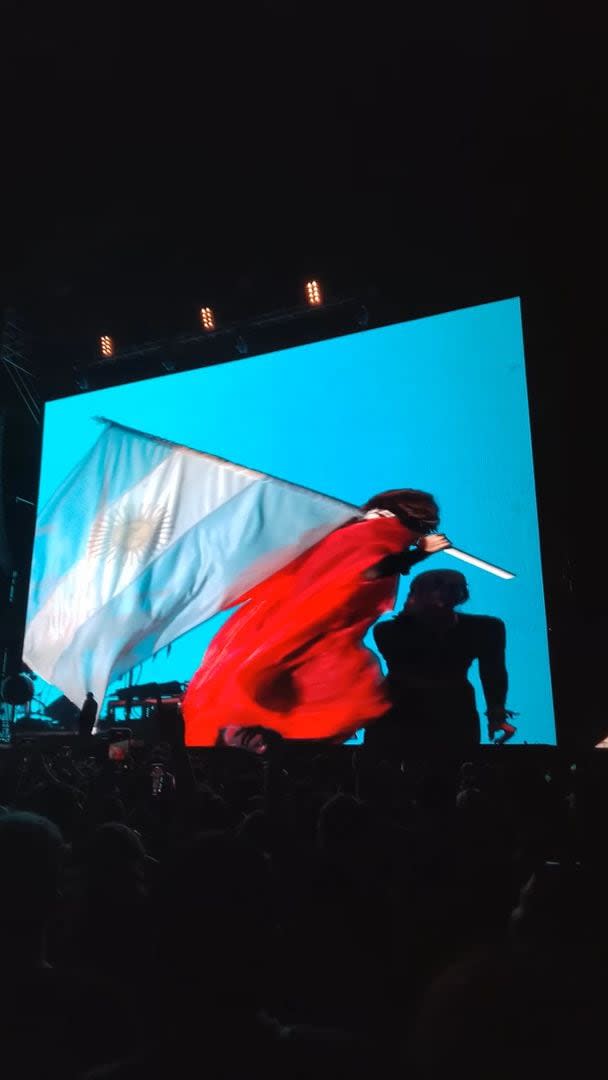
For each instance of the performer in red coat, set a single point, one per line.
(291, 657)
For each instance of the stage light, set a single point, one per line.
(313, 294)
(106, 346)
(207, 318)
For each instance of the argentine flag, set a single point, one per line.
(144, 541)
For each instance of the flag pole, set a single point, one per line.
(481, 564)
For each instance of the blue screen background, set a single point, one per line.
(439, 404)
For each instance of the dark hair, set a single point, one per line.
(417, 510)
(31, 857)
(452, 584)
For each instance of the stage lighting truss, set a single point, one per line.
(14, 360)
(106, 346)
(314, 296)
(168, 350)
(208, 319)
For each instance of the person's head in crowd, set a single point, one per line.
(349, 837)
(109, 808)
(325, 773)
(116, 860)
(480, 825)
(472, 802)
(468, 776)
(559, 906)
(342, 822)
(255, 830)
(60, 803)
(31, 863)
(243, 782)
(434, 793)
(206, 810)
(215, 922)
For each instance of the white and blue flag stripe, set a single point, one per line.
(144, 541)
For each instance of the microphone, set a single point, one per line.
(481, 564)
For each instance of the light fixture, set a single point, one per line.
(314, 296)
(207, 319)
(106, 346)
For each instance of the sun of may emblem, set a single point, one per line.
(131, 533)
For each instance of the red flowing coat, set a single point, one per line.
(291, 657)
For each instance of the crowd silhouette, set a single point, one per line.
(315, 912)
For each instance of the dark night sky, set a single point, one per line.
(430, 157)
(151, 164)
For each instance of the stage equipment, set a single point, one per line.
(17, 690)
(139, 701)
(106, 346)
(207, 319)
(63, 712)
(314, 296)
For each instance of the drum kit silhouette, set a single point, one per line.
(21, 708)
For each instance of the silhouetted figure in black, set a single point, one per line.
(88, 716)
(429, 648)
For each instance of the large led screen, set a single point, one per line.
(438, 404)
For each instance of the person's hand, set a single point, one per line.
(424, 546)
(257, 739)
(430, 545)
(498, 722)
(252, 739)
